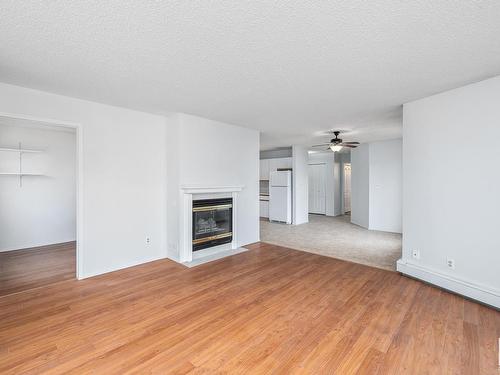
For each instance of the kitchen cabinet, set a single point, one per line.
(264, 208)
(274, 164)
(286, 163)
(264, 169)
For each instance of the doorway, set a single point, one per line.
(317, 189)
(38, 195)
(347, 188)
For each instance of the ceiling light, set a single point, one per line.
(335, 148)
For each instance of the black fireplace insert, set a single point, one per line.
(212, 222)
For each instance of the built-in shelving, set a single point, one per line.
(20, 150)
(20, 173)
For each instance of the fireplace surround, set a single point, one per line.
(193, 193)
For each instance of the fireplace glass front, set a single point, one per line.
(212, 222)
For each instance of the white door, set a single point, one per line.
(347, 187)
(317, 188)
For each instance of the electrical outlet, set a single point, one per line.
(450, 263)
(148, 240)
(415, 254)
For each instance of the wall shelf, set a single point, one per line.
(20, 150)
(20, 172)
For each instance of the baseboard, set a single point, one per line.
(465, 288)
(213, 257)
(37, 246)
(120, 267)
(175, 258)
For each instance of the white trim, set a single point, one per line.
(20, 150)
(20, 174)
(185, 219)
(210, 258)
(122, 266)
(185, 249)
(466, 288)
(79, 179)
(198, 189)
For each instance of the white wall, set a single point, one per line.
(300, 176)
(173, 185)
(123, 158)
(451, 180)
(360, 182)
(385, 184)
(212, 153)
(376, 184)
(43, 210)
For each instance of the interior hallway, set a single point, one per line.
(336, 237)
(26, 269)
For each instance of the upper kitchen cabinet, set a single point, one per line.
(287, 163)
(264, 169)
(274, 164)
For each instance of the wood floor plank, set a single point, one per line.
(267, 310)
(35, 267)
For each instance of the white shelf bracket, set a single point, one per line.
(20, 166)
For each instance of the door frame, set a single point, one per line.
(324, 183)
(344, 189)
(79, 177)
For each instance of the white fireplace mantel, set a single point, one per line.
(187, 192)
(199, 189)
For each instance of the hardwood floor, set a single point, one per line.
(267, 310)
(31, 268)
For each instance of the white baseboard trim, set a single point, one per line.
(212, 257)
(175, 258)
(471, 290)
(120, 267)
(37, 245)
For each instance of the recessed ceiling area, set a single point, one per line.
(292, 69)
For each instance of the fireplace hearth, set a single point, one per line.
(212, 222)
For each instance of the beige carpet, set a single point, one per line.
(336, 237)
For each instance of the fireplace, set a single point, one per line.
(212, 222)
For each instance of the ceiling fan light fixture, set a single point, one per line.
(335, 148)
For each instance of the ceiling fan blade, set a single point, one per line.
(351, 143)
(350, 146)
(321, 145)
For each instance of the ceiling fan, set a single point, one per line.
(336, 144)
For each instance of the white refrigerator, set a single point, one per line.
(280, 196)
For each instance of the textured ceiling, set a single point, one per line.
(289, 68)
